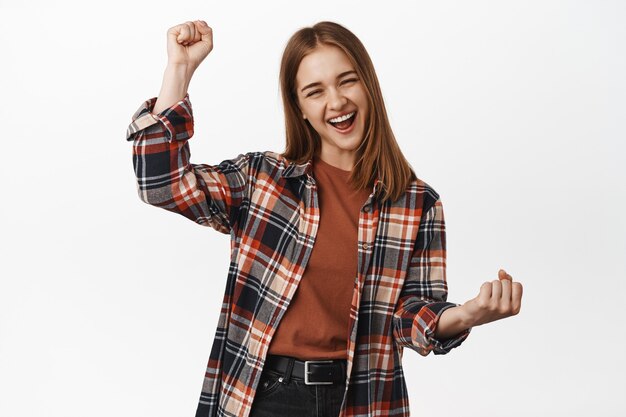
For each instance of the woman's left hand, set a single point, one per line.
(497, 299)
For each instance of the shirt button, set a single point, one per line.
(366, 209)
(365, 246)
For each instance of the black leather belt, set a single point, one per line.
(313, 372)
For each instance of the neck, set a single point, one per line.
(345, 163)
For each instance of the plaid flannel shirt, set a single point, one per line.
(270, 209)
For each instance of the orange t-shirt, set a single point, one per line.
(315, 325)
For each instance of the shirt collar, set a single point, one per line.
(306, 168)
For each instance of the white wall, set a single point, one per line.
(512, 111)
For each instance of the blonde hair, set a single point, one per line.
(379, 154)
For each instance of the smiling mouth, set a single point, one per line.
(345, 124)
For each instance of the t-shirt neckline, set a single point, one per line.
(316, 158)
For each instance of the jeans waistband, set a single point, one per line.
(312, 372)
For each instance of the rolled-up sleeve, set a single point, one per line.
(210, 195)
(424, 294)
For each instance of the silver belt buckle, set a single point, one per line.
(306, 373)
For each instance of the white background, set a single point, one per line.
(513, 111)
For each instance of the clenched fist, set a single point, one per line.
(496, 300)
(189, 43)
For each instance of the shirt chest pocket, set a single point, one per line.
(273, 219)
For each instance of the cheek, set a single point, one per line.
(316, 119)
(318, 116)
(308, 109)
(360, 99)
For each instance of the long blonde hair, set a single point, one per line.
(379, 155)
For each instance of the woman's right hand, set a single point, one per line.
(189, 43)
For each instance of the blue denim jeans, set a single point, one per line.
(293, 398)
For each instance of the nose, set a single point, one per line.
(336, 100)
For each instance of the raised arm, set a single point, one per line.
(210, 195)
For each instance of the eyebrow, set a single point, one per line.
(343, 74)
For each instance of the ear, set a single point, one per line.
(303, 116)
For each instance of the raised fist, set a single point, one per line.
(189, 43)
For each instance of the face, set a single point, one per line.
(328, 87)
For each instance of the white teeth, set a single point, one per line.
(342, 118)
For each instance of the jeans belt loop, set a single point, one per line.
(287, 377)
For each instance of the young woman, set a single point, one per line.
(338, 249)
